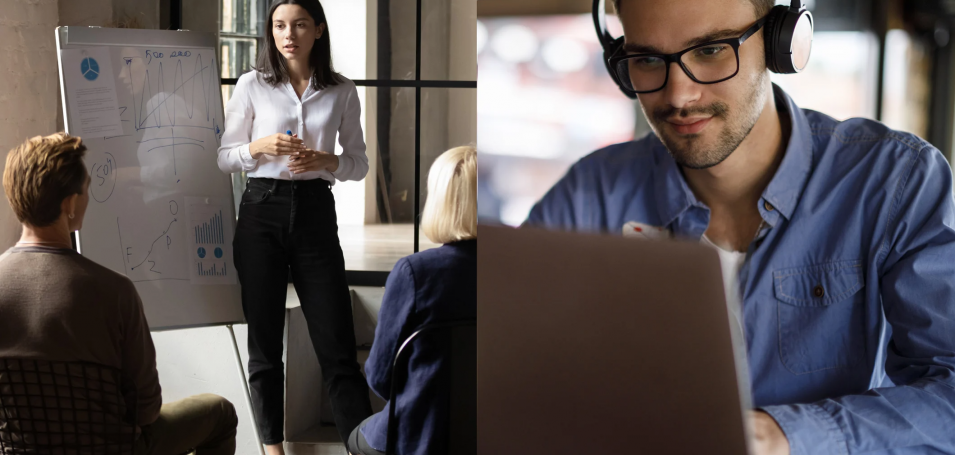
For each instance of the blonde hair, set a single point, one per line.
(450, 212)
(40, 173)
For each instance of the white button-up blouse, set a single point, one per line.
(257, 109)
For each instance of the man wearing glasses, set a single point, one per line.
(839, 237)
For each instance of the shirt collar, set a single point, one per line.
(305, 94)
(674, 196)
(787, 185)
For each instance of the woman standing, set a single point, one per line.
(287, 221)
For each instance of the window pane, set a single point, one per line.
(448, 41)
(381, 33)
(238, 55)
(243, 17)
(376, 216)
(448, 120)
(364, 43)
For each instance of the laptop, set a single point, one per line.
(605, 345)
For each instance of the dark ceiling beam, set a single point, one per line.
(492, 8)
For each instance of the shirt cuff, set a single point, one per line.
(248, 163)
(809, 428)
(344, 169)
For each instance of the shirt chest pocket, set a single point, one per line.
(821, 314)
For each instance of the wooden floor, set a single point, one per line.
(377, 247)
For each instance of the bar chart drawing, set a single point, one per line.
(211, 240)
(211, 231)
(212, 270)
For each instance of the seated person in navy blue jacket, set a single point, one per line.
(431, 286)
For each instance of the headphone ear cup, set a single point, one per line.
(609, 51)
(788, 37)
(771, 35)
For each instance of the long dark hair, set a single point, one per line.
(272, 64)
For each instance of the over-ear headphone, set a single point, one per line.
(787, 33)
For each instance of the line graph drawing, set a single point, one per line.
(158, 256)
(152, 268)
(175, 104)
(160, 105)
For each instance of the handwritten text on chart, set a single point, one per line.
(103, 178)
(150, 55)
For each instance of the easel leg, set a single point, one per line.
(245, 386)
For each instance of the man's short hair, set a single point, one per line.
(762, 7)
(41, 173)
(450, 213)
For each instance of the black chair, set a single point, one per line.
(64, 408)
(462, 438)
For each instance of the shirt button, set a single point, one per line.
(769, 207)
(818, 291)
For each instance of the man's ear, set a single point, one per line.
(69, 205)
(319, 31)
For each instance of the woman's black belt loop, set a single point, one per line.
(292, 185)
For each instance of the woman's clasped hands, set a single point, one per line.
(312, 160)
(301, 158)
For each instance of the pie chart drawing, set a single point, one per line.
(89, 68)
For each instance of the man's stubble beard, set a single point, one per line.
(690, 152)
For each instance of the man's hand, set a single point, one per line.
(312, 160)
(768, 437)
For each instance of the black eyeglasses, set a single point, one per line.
(707, 63)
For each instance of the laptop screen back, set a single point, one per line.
(598, 344)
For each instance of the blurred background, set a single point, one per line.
(415, 67)
(546, 100)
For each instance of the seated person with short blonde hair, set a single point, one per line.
(60, 306)
(436, 285)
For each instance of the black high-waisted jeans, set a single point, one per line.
(291, 226)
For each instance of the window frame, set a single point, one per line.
(378, 278)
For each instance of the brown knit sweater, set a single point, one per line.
(58, 305)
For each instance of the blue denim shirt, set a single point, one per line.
(848, 290)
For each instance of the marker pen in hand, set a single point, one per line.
(289, 132)
(295, 156)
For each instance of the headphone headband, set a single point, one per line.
(600, 22)
(609, 44)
